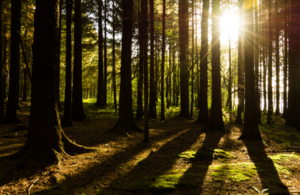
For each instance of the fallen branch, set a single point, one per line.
(32, 185)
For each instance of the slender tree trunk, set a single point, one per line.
(77, 107)
(139, 110)
(114, 59)
(105, 57)
(1, 68)
(184, 72)
(251, 130)
(144, 6)
(203, 104)
(5, 62)
(293, 95)
(100, 57)
(257, 93)
(285, 60)
(238, 119)
(216, 117)
(58, 57)
(67, 118)
(125, 122)
(162, 114)
(270, 91)
(192, 76)
(152, 105)
(174, 75)
(13, 97)
(277, 57)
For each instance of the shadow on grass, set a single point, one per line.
(203, 158)
(267, 170)
(160, 171)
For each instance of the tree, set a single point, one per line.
(114, 57)
(67, 118)
(144, 8)
(162, 114)
(270, 91)
(13, 97)
(46, 138)
(1, 68)
(216, 117)
(203, 107)
(105, 56)
(152, 110)
(277, 56)
(139, 109)
(125, 123)
(250, 130)
(77, 106)
(100, 57)
(184, 72)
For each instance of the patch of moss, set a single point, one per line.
(284, 157)
(217, 154)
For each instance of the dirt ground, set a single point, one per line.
(181, 158)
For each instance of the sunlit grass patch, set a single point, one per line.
(216, 154)
(284, 157)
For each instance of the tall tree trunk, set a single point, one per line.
(125, 122)
(257, 92)
(152, 105)
(250, 130)
(162, 114)
(105, 57)
(13, 97)
(216, 117)
(174, 75)
(184, 72)
(67, 118)
(192, 76)
(229, 100)
(5, 61)
(238, 119)
(293, 95)
(139, 109)
(270, 91)
(100, 57)
(277, 56)
(58, 57)
(202, 101)
(285, 59)
(144, 9)
(1, 68)
(114, 59)
(77, 107)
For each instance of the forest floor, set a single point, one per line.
(181, 158)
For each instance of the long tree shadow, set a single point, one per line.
(160, 171)
(96, 174)
(267, 170)
(201, 161)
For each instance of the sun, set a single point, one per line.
(229, 26)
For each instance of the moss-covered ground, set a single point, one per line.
(181, 158)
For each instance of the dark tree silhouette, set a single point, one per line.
(77, 106)
(152, 106)
(105, 57)
(46, 138)
(67, 118)
(100, 57)
(162, 78)
(1, 69)
(250, 131)
(216, 116)
(13, 95)
(125, 123)
(270, 91)
(184, 72)
(203, 107)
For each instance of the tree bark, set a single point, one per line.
(105, 57)
(184, 72)
(162, 78)
(77, 106)
(126, 122)
(152, 105)
(46, 139)
(277, 57)
(250, 130)
(67, 118)
(216, 117)
(203, 104)
(270, 91)
(13, 97)
(100, 57)
(1, 69)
